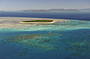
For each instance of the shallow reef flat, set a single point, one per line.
(66, 39)
(13, 24)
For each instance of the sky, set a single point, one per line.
(43, 4)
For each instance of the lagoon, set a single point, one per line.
(60, 40)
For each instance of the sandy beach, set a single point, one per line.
(14, 22)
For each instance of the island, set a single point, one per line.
(37, 21)
(20, 22)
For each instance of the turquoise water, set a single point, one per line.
(69, 40)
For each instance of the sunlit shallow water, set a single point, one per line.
(69, 40)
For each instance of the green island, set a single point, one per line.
(38, 21)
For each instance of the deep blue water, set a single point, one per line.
(49, 42)
(70, 45)
(59, 15)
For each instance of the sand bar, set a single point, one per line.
(15, 22)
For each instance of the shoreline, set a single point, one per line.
(62, 24)
(17, 20)
(14, 22)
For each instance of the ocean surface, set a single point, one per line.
(54, 15)
(69, 40)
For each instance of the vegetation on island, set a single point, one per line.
(39, 21)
